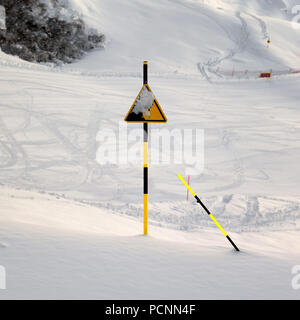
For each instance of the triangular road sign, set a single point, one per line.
(145, 108)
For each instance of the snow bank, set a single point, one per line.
(56, 249)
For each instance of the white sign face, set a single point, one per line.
(2, 18)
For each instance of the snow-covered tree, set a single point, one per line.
(46, 31)
(2, 18)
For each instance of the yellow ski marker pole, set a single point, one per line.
(208, 212)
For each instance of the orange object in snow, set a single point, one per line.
(265, 75)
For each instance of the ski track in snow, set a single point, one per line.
(240, 43)
(61, 158)
(237, 213)
(263, 26)
(210, 69)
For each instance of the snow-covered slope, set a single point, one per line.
(186, 36)
(49, 123)
(56, 249)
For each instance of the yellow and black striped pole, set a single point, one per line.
(208, 212)
(145, 73)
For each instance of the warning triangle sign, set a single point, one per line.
(145, 108)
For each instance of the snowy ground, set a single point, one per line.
(75, 232)
(53, 248)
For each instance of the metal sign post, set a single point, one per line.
(145, 124)
(145, 109)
